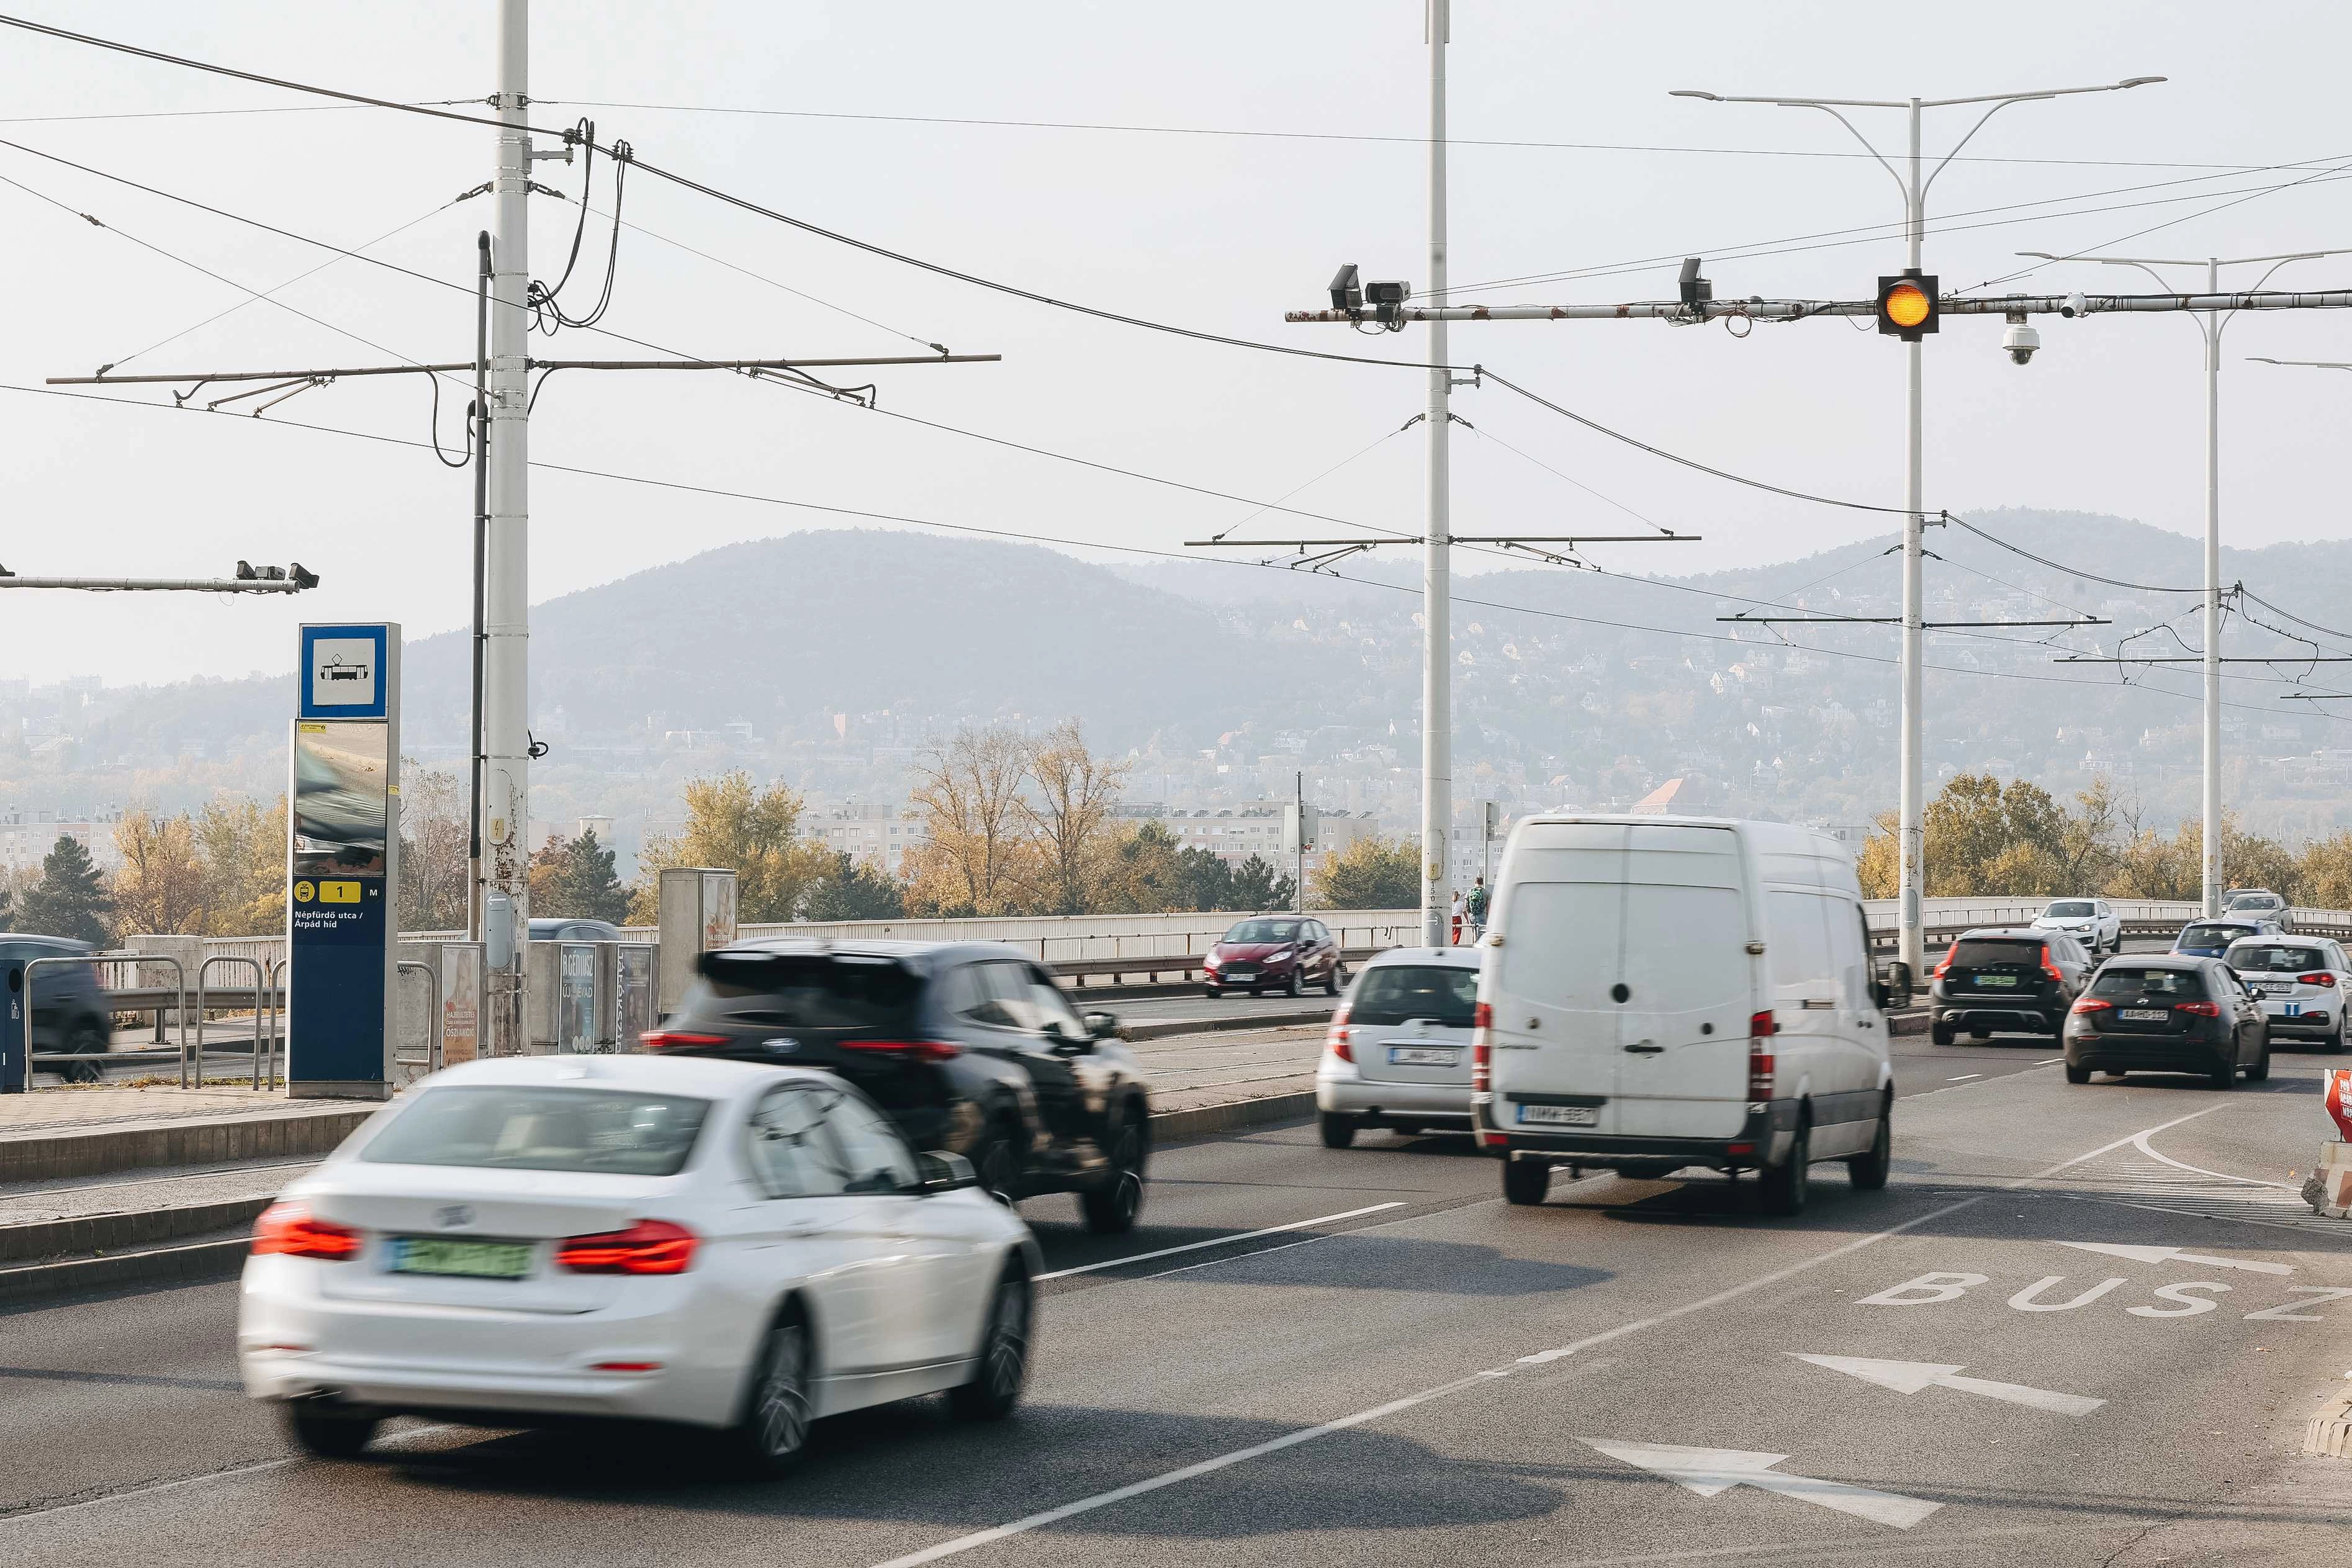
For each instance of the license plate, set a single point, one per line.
(475, 1259)
(1424, 1056)
(1561, 1115)
(2274, 987)
(1241, 974)
(1984, 981)
(2143, 1014)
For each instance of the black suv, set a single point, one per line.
(969, 1046)
(2168, 1013)
(2014, 982)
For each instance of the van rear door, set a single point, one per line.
(1682, 1028)
(1561, 914)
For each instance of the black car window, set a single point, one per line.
(1248, 932)
(2212, 935)
(523, 1127)
(2069, 909)
(1996, 952)
(2125, 982)
(789, 1151)
(2275, 958)
(873, 1157)
(807, 990)
(1391, 994)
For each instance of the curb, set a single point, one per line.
(1162, 1028)
(190, 1262)
(1168, 1126)
(195, 1142)
(120, 1231)
(2330, 1432)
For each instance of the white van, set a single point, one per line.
(1672, 991)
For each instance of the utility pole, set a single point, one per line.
(1436, 575)
(1298, 806)
(2209, 326)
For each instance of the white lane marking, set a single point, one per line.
(1243, 1258)
(1709, 1471)
(1221, 1241)
(1084, 1505)
(1963, 1077)
(2049, 1061)
(2175, 1255)
(1913, 1376)
(2141, 1143)
(253, 1470)
(1206, 1467)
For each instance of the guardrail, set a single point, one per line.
(1183, 966)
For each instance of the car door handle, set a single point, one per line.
(1644, 1047)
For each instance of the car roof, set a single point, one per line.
(714, 1077)
(2158, 960)
(885, 947)
(2280, 938)
(1445, 957)
(2019, 933)
(64, 944)
(2222, 921)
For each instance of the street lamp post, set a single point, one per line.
(2210, 324)
(1915, 188)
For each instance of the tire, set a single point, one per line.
(1004, 1363)
(1526, 1182)
(1338, 1131)
(1868, 1172)
(324, 1433)
(87, 1040)
(2077, 1075)
(1940, 1032)
(1337, 981)
(771, 1429)
(1111, 1208)
(2225, 1076)
(1782, 1188)
(1213, 992)
(997, 1167)
(2260, 1071)
(2334, 1044)
(1293, 986)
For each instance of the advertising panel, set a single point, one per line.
(575, 1016)
(461, 1001)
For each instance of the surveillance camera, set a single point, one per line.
(2074, 305)
(2020, 342)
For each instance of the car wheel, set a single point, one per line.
(1526, 1182)
(1940, 1032)
(1111, 1209)
(1293, 986)
(88, 1039)
(324, 1432)
(2077, 1075)
(1337, 980)
(1003, 1365)
(997, 1168)
(2334, 1044)
(2260, 1071)
(1338, 1131)
(1782, 1188)
(1869, 1172)
(772, 1431)
(1213, 992)
(2226, 1075)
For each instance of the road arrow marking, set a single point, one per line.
(1911, 1377)
(2175, 1255)
(1707, 1471)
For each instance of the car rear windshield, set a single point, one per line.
(2074, 910)
(1402, 993)
(2124, 982)
(2210, 936)
(1992, 952)
(807, 990)
(2256, 901)
(2255, 958)
(1264, 930)
(516, 1127)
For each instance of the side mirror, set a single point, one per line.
(1882, 996)
(943, 1173)
(1103, 1026)
(1898, 985)
(1066, 1044)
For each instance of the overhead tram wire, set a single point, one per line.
(1994, 538)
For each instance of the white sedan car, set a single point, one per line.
(2091, 922)
(725, 1244)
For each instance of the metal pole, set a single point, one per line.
(1298, 790)
(1436, 589)
(1912, 844)
(481, 540)
(2211, 853)
(506, 585)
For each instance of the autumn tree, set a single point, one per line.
(160, 886)
(575, 877)
(978, 859)
(1369, 873)
(731, 825)
(436, 850)
(1145, 874)
(70, 900)
(244, 852)
(849, 891)
(1068, 814)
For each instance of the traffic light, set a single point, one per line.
(1907, 305)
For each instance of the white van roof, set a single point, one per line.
(1784, 852)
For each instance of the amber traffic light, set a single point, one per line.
(1907, 305)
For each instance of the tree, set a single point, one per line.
(849, 891)
(70, 899)
(1257, 885)
(1369, 873)
(1147, 874)
(730, 824)
(1208, 880)
(437, 849)
(162, 886)
(244, 851)
(977, 859)
(575, 877)
(1069, 821)
(1983, 836)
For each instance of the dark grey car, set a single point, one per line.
(68, 1011)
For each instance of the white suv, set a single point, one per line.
(2091, 922)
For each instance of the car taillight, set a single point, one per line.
(2322, 978)
(292, 1231)
(649, 1246)
(1944, 967)
(2201, 1009)
(2051, 969)
(2092, 1004)
(676, 1040)
(921, 1050)
(1760, 1064)
(1338, 1038)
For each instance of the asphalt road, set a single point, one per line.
(1413, 1371)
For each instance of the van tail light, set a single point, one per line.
(1338, 1038)
(292, 1231)
(2092, 1004)
(2051, 969)
(2201, 1009)
(649, 1246)
(2322, 978)
(919, 1050)
(1944, 966)
(677, 1040)
(1761, 1027)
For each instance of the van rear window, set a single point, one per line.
(1399, 992)
(1989, 952)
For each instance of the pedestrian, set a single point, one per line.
(1476, 905)
(1461, 907)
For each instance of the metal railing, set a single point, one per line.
(263, 1008)
(60, 960)
(433, 993)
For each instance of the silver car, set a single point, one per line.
(1398, 1055)
(2301, 980)
(2091, 922)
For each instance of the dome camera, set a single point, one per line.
(2020, 342)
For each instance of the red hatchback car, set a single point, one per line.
(1277, 953)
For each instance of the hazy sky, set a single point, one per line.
(1218, 232)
